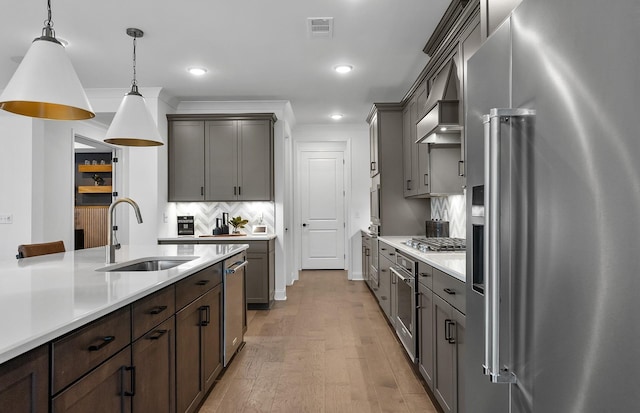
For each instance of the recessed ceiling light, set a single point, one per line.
(343, 68)
(337, 116)
(197, 71)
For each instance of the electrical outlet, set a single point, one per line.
(6, 219)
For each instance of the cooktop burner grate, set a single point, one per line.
(437, 244)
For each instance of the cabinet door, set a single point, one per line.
(444, 162)
(470, 42)
(421, 159)
(107, 389)
(460, 339)
(421, 99)
(373, 146)
(254, 161)
(24, 381)
(221, 147)
(198, 351)
(189, 385)
(154, 360)
(211, 336)
(257, 282)
(186, 161)
(408, 150)
(384, 290)
(444, 354)
(425, 340)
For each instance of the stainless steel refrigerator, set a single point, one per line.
(553, 222)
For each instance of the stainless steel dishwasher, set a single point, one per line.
(234, 304)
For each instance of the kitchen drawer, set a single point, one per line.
(425, 274)
(450, 289)
(82, 350)
(150, 311)
(197, 284)
(387, 250)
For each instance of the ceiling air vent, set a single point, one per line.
(320, 27)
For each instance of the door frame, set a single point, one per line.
(343, 146)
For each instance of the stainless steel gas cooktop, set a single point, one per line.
(437, 244)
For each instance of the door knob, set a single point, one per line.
(304, 225)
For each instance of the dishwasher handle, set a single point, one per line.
(236, 266)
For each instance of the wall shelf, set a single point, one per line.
(92, 189)
(94, 168)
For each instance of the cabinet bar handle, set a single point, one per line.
(447, 331)
(234, 191)
(460, 168)
(158, 309)
(408, 184)
(131, 393)
(203, 320)
(239, 190)
(203, 282)
(426, 178)
(202, 190)
(449, 291)
(424, 274)
(105, 340)
(157, 334)
(373, 166)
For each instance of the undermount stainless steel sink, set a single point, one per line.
(147, 264)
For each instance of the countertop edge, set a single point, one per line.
(24, 346)
(423, 257)
(246, 237)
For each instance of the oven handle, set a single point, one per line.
(405, 279)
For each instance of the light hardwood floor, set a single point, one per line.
(327, 348)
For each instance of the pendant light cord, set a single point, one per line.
(134, 82)
(47, 30)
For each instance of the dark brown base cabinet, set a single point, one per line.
(144, 357)
(154, 361)
(24, 381)
(198, 350)
(107, 389)
(260, 274)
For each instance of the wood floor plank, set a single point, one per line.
(326, 349)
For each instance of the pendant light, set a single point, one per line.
(45, 84)
(133, 124)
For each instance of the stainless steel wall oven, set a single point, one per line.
(404, 276)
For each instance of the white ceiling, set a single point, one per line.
(253, 49)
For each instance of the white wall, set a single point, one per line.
(357, 136)
(15, 182)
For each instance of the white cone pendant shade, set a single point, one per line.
(45, 85)
(133, 124)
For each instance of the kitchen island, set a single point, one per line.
(92, 326)
(261, 271)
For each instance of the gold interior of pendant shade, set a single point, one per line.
(132, 142)
(46, 110)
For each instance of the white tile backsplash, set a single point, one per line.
(205, 214)
(451, 208)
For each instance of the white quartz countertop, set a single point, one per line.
(44, 297)
(219, 238)
(452, 263)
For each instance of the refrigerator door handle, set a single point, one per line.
(492, 141)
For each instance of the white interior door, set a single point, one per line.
(322, 210)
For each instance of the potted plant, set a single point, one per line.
(237, 223)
